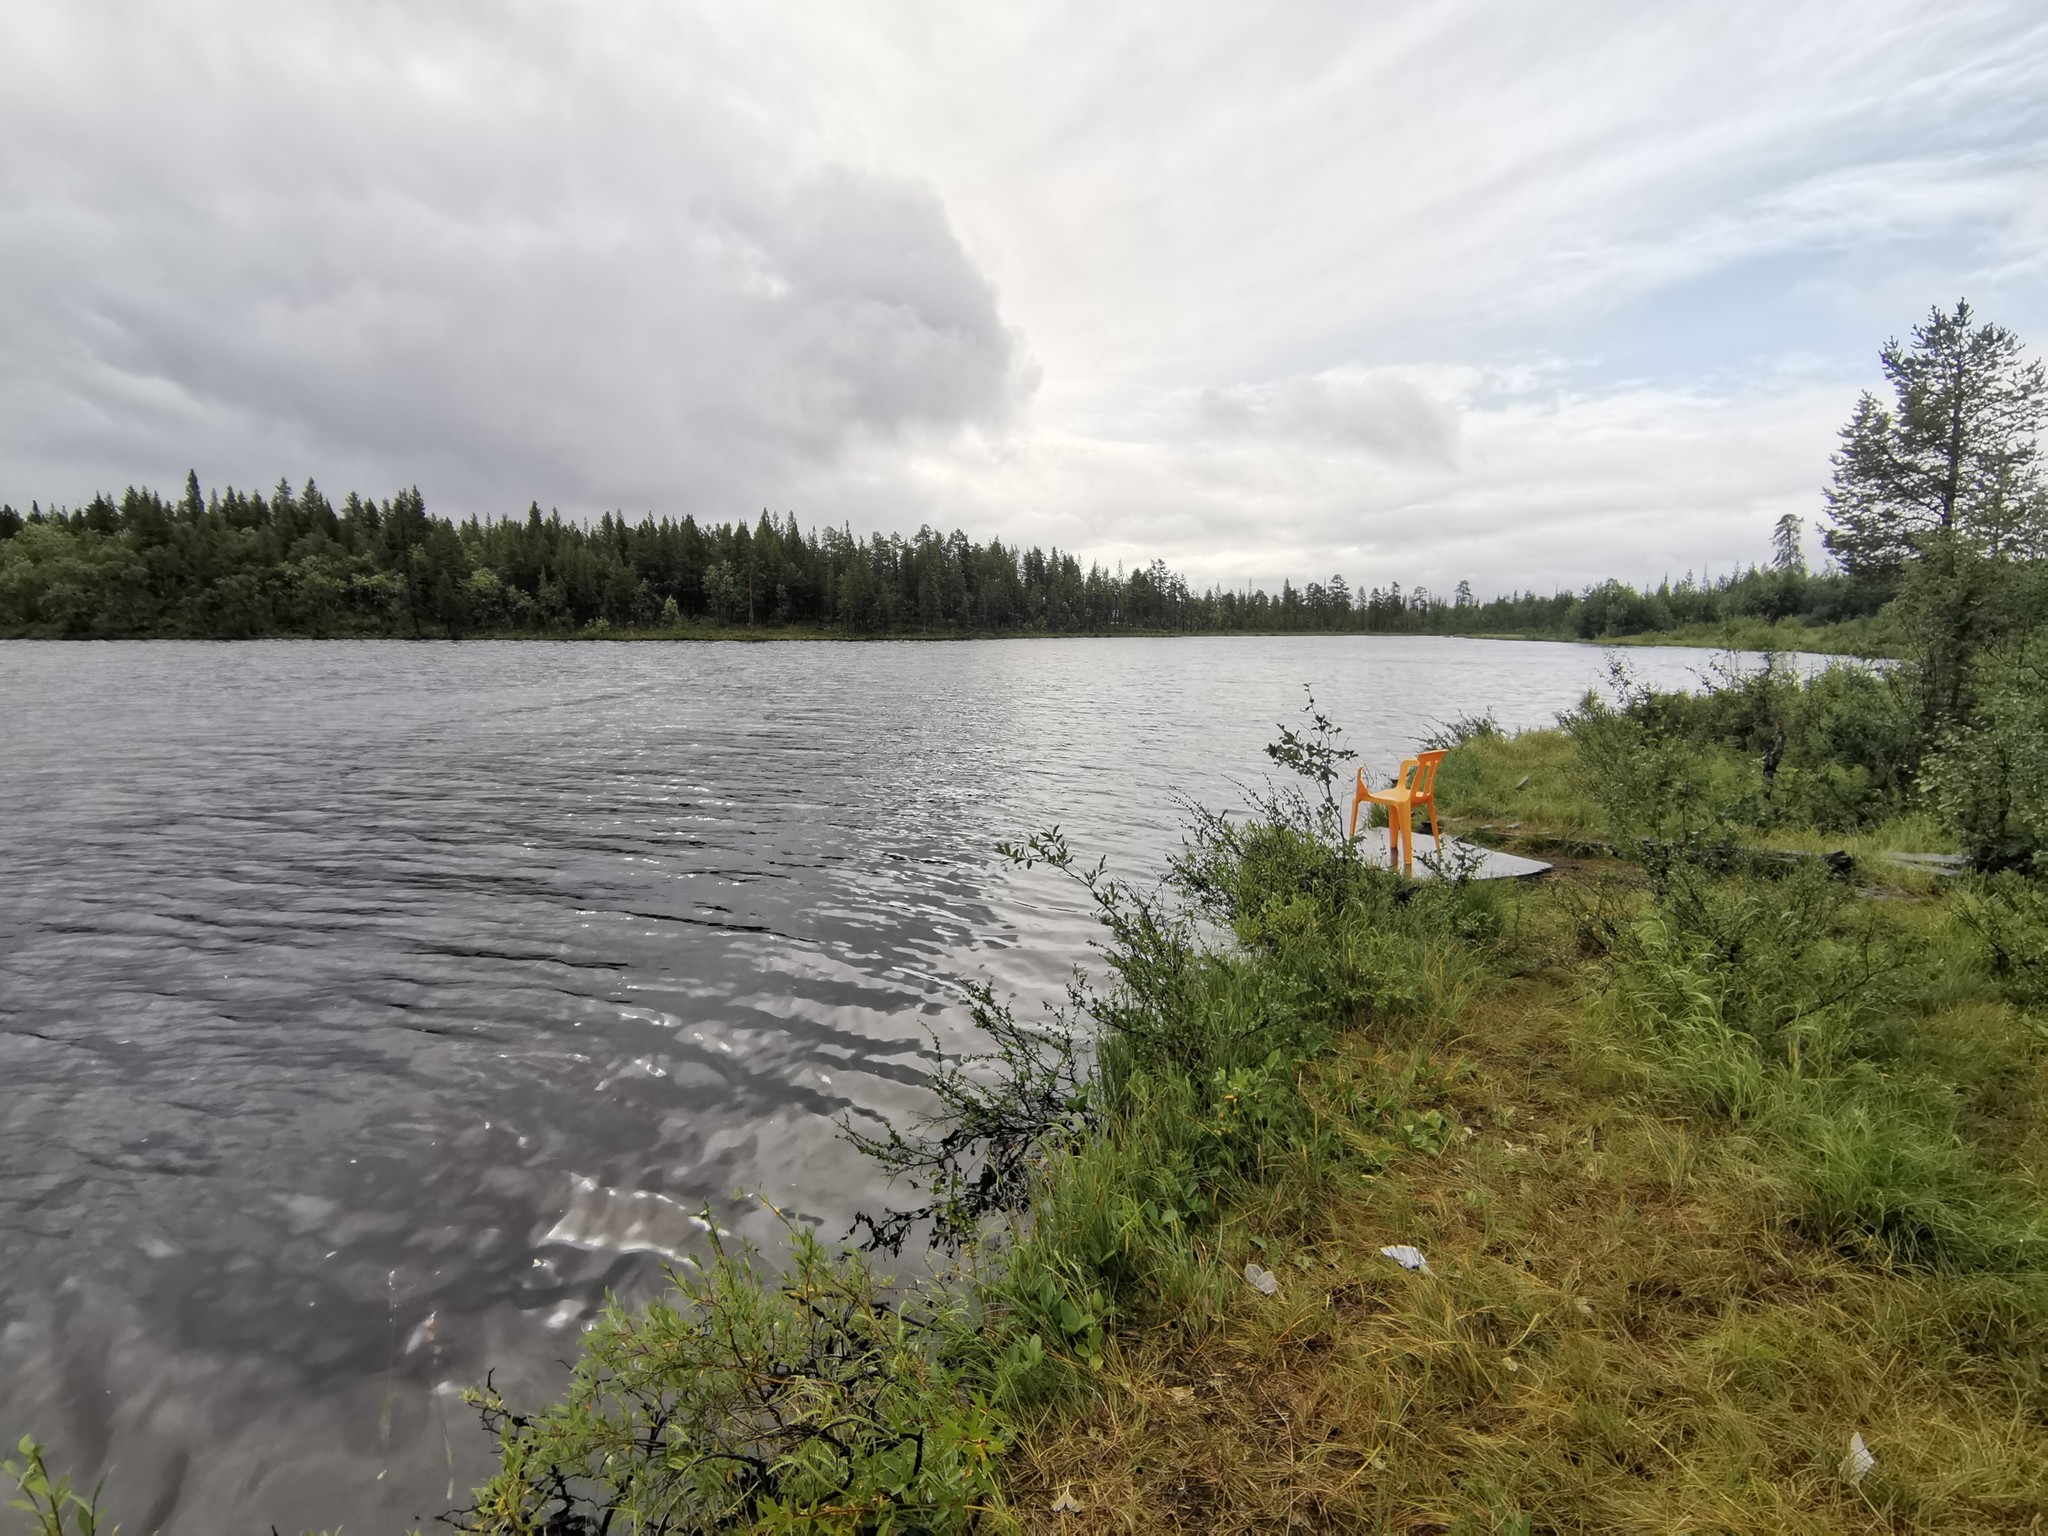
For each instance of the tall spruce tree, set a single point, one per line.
(1940, 492)
(1956, 454)
(1788, 539)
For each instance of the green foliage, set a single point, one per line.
(2008, 915)
(1988, 774)
(999, 1113)
(52, 1506)
(1207, 1072)
(1755, 746)
(1955, 455)
(1750, 1001)
(1939, 494)
(1314, 755)
(1464, 731)
(230, 564)
(805, 1401)
(234, 564)
(74, 585)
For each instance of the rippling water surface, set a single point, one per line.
(368, 1009)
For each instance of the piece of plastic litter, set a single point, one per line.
(1264, 1281)
(1405, 1256)
(1858, 1463)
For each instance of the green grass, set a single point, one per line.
(1531, 792)
(1524, 789)
(1671, 1271)
(1877, 636)
(1855, 637)
(1713, 1171)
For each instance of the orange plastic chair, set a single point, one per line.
(1414, 785)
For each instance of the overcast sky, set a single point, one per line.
(1523, 293)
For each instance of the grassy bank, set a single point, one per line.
(1875, 636)
(1709, 1180)
(1717, 1159)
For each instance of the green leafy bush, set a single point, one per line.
(1754, 746)
(805, 1401)
(1989, 776)
(2009, 915)
(53, 1507)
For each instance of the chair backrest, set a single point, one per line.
(1423, 787)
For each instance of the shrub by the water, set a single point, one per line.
(811, 1395)
(1988, 774)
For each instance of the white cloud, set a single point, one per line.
(1678, 481)
(1383, 414)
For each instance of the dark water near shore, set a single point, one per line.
(368, 1009)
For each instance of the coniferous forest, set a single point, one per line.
(231, 564)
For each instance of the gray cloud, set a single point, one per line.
(476, 269)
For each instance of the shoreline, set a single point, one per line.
(1758, 640)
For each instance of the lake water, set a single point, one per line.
(368, 1009)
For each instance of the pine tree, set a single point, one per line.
(1956, 455)
(1788, 544)
(1940, 492)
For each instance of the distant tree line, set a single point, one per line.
(233, 564)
